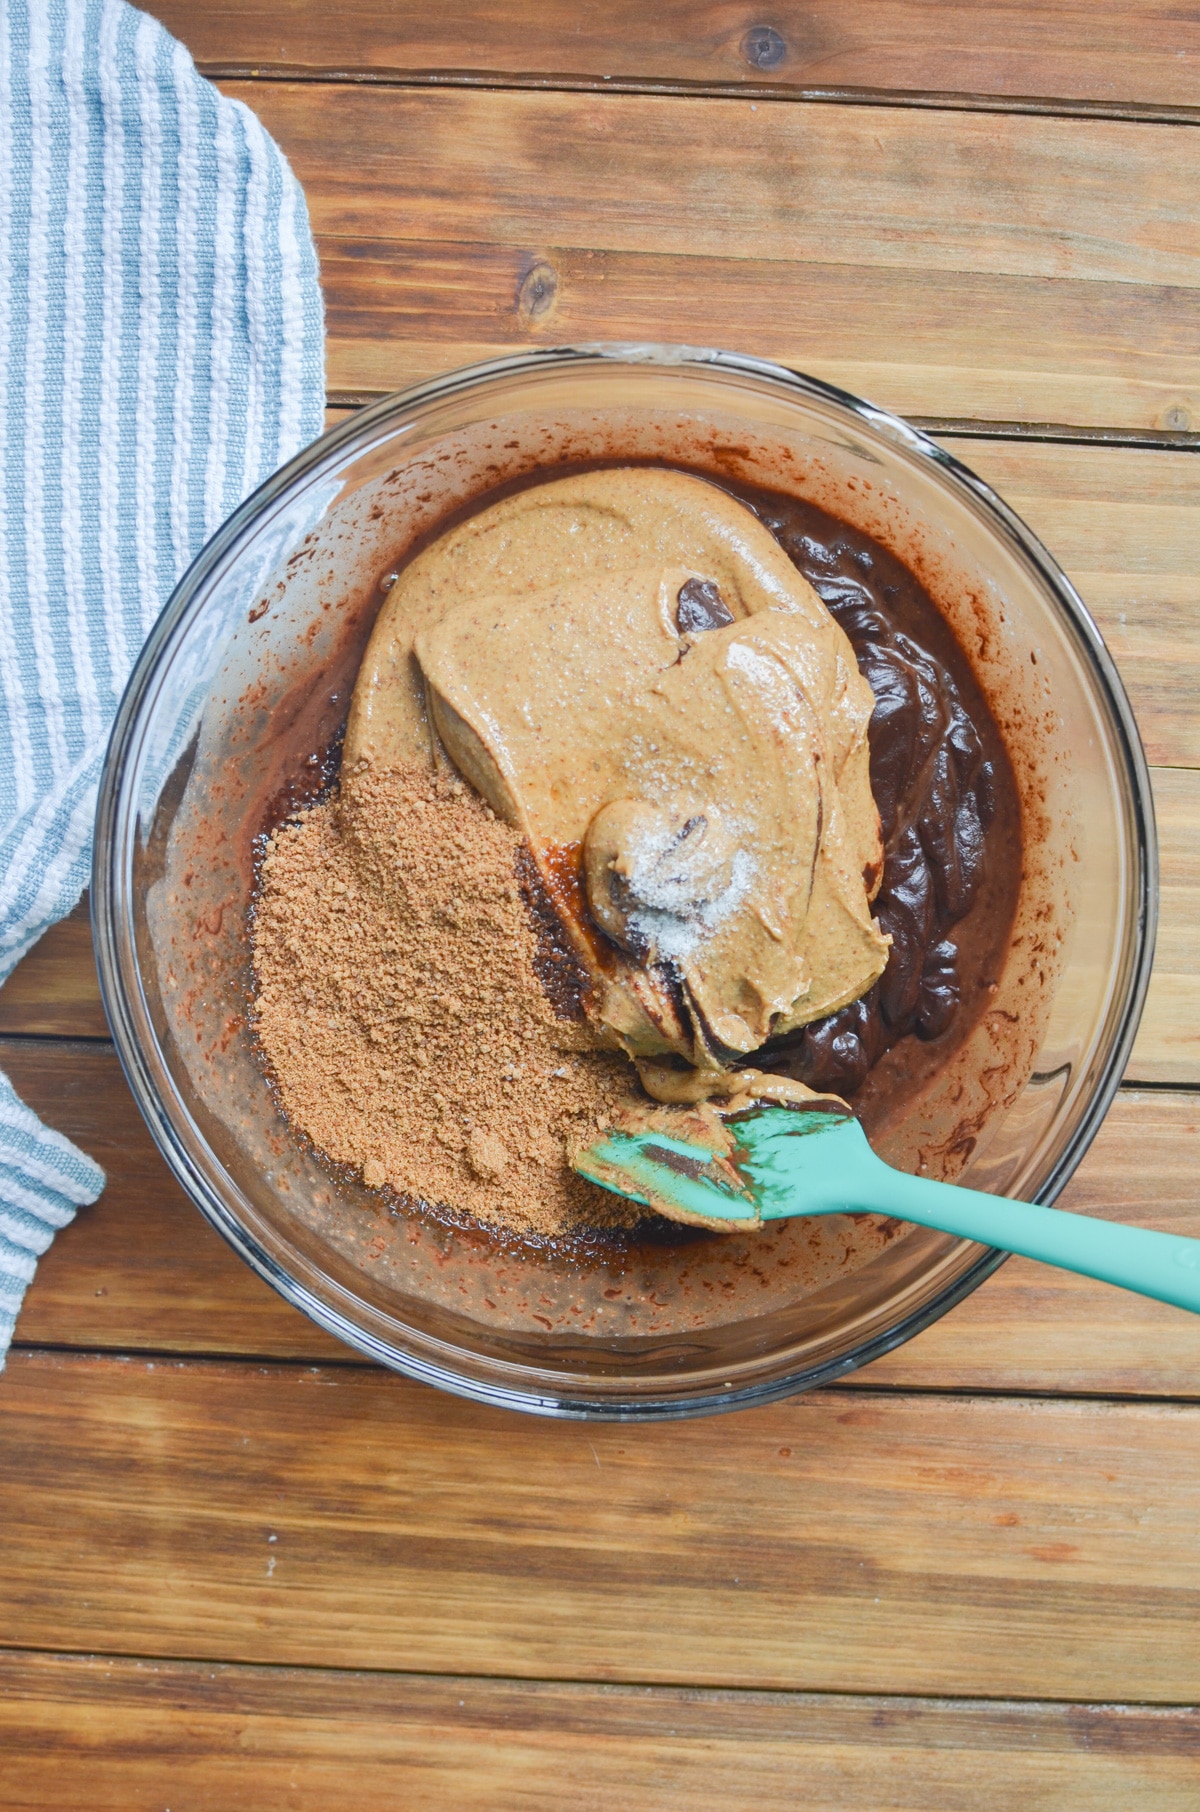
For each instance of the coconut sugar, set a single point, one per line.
(399, 949)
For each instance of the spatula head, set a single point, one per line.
(757, 1166)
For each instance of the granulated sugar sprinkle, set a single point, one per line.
(398, 1004)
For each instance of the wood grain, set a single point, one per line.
(988, 346)
(950, 264)
(141, 1270)
(120, 1735)
(1125, 525)
(1168, 1042)
(55, 989)
(996, 226)
(886, 188)
(1112, 51)
(342, 1517)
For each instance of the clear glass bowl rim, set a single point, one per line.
(116, 824)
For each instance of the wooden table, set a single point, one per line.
(241, 1569)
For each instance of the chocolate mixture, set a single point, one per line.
(938, 773)
(949, 818)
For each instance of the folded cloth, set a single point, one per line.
(161, 353)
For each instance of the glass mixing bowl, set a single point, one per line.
(237, 699)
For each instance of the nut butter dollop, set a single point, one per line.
(631, 671)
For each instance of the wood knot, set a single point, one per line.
(763, 48)
(539, 288)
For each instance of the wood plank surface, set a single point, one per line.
(119, 1736)
(342, 1517)
(1110, 52)
(1168, 1040)
(55, 991)
(944, 264)
(1124, 523)
(888, 188)
(141, 1270)
(311, 1583)
(995, 347)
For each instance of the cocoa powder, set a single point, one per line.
(398, 1003)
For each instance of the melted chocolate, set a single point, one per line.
(700, 607)
(935, 757)
(556, 962)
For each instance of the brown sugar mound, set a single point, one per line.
(397, 1000)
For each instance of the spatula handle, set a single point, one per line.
(1165, 1266)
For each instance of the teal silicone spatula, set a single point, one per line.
(784, 1161)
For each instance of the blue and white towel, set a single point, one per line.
(161, 353)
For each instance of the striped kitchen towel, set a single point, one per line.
(161, 353)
